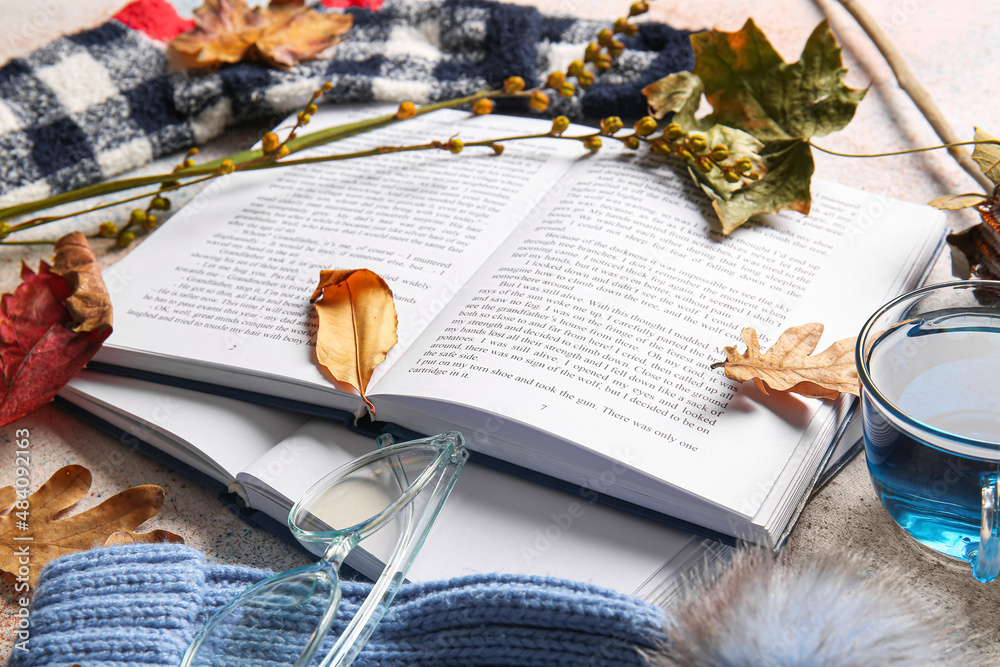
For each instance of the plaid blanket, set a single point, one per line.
(92, 105)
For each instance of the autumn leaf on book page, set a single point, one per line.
(790, 365)
(753, 90)
(357, 325)
(50, 327)
(41, 517)
(284, 34)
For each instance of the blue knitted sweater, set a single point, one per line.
(142, 604)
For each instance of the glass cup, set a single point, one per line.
(929, 365)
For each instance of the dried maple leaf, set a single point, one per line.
(788, 366)
(40, 350)
(753, 90)
(49, 534)
(357, 325)
(285, 34)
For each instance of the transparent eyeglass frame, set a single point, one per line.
(415, 478)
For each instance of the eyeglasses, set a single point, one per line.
(386, 502)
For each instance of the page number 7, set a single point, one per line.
(544, 406)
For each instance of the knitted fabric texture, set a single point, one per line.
(142, 605)
(95, 104)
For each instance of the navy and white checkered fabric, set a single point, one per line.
(95, 104)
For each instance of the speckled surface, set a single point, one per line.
(951, 47)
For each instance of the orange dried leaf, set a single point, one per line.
(223, 32)
(788, 366)
(90, 304)
(299, 33)
(227, 31)
(357, 325)
(53, 536)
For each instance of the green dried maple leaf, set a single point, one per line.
(753, 90)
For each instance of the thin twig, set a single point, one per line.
(912, 86)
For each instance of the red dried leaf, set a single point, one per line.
(39, 350)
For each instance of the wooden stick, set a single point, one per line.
(912, 86)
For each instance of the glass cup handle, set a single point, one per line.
(986, 561)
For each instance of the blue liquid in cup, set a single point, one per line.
(943, 374)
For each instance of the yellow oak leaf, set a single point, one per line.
(790, 366)
(284, 34)
(47, 533)
(357, 325)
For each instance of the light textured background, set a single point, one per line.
(951, 47)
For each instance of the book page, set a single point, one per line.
(492, 522)
(213, 434)
(226, 281)
(598, 320)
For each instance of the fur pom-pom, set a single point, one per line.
(760, 612)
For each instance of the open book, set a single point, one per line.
(561, 310)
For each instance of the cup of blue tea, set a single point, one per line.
(929, 365)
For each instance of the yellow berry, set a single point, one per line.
(456, 146)
(482, 106)
(576, 68)
(593, 144)
(311, 109)
(624, 27)
(753, 176)
(539, 101)
(282, 152)
(611, 125)
(592, 51)
(555, 80)
(192, 151)
(304, 118)
(645, 126)
(697, 143)
(615, 48)
(270, 142)
(125, 239)
(188, 163)
(685, 154)
(228, 166)
(497, 148)
(406, 111)
(744, 166)
(704, 166)
(327, 87)
(513, 84)
(137, 217)
(731, 175)
(586, 79)
(150, 222)
(673, 131)
(719, 152)
(638, 8)
(108, 229)
(567, 89)
(160, 203)
(605, 37)
(659, 147)
(632, 143)
(559, 125)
